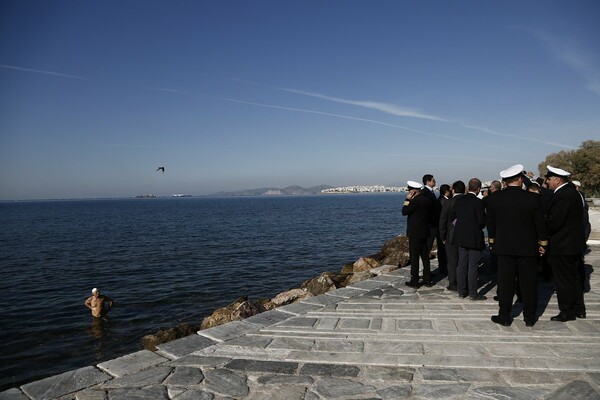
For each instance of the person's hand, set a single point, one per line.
(542, 250)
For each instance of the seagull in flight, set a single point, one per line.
(161, 169)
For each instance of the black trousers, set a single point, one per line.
(467, 274)
(568, 285)
(525, 269)
(452, 262)
(418, 249)
(441, 255)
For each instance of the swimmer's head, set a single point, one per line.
(94, 291)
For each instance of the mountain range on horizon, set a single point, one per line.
(273, 191)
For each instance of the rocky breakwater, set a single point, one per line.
(394, 254)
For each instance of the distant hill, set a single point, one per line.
(287, 191)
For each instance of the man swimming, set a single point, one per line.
(99, 304)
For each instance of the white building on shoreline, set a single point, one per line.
(364, 189)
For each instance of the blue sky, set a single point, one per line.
(228, 95)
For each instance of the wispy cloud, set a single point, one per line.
(572, 54)
(37, 71)
(374, 105)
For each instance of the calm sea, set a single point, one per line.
(163, 262)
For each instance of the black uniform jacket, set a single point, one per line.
(420, 211)
(435, 219)
(446, 225)
(565, 222)
(515, 222)
(470, 221)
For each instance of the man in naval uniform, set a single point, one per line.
(564, 223)
(517, 235)
(419, 209)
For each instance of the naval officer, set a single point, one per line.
(564, 222)
(419, 209)
(517, 236)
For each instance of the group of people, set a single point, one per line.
(527, 220)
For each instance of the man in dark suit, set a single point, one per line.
(446, 227)
(468, 236)
(564, 222)
(517, 235)
(443, 198)
(428, 189)
(419, 209)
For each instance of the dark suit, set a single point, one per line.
(419, 212)
(468, 236)
(516, 229)
(446, 227)
(441, 247)
(567, 243)
(435, 217)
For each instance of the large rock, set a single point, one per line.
(291, 296)
(359, 277)
(394, 252)
(240, 309)
(163, 336)
(320, 284)
(365, 264)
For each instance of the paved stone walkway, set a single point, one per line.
(377, 339)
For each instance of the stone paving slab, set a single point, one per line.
(68, 382)
(131, 363)
(186, 345)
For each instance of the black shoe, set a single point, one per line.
(496, 298)
(428, 284)
(451, 287)
(412, 284)
(563, 318)
(580, 315)
(462, 296)
(501, 321)
(478, 297)
(530, 322)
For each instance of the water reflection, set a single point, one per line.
(100, 329)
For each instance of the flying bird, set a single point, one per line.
(161, 169)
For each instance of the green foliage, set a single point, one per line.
(583, 164)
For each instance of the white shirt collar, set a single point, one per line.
(558, 188)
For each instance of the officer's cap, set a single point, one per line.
(552, 171)
(511, 172)
(414, 185)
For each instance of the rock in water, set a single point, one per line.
(288, 297)
(238, 310)
(163, 336)
(365, 264)
(394, 252)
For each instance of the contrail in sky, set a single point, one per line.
(487, 130)
(384, 107)
(403, 112)
(371, 121)
(37, 71)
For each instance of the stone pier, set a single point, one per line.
(376, 339)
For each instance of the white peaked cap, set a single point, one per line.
(511, 171)
(576, 183)
(552, 171)
(94, 290)
(414, 185)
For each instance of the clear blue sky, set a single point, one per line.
(228, 95)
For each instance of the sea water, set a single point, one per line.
(163, 261)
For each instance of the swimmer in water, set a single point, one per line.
(99, 304)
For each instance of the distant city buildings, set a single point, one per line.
(365, 189)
